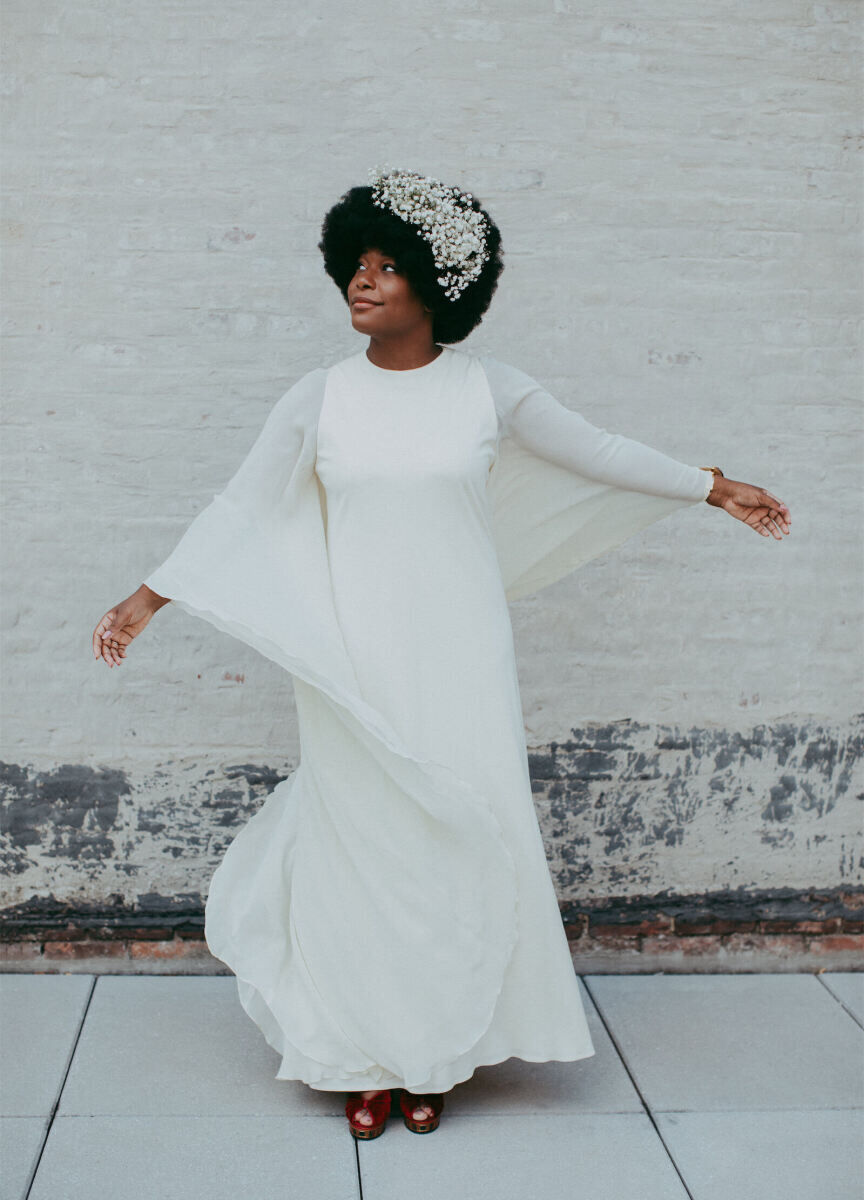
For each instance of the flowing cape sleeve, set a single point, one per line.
(253, 562)
(563, 491)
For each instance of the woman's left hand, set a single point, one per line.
(753, 505)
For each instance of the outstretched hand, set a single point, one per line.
(753, 505)
(123, 623)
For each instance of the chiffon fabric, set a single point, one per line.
(388, 912)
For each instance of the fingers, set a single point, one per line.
(769, 528)
(109, 643)
(109, 653)
(767, 514)
(777, 502)
(780, 518)
(115, 649)
(100, 631)
(778, 511)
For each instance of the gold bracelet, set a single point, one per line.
(715, 471)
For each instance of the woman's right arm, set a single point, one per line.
(233, 548)
(124, 622)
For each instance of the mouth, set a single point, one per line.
(362, 305)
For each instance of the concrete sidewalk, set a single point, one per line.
(716, 1087)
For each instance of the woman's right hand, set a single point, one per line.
(124, 622)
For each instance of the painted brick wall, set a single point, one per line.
(679, 193)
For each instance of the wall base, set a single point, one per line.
(603, 954)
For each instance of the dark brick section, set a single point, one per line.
(815, 923)
(718, 914)
(155, 918)
(774, 924)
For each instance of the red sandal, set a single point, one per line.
(408, 1102)
(378, 1106)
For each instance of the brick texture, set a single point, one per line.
(679, 197)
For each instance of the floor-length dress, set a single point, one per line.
(389, 912)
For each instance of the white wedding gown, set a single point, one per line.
(389, 912)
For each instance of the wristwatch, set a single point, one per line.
(714, 471)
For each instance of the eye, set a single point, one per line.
(360, 266)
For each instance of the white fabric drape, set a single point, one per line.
(387, 909)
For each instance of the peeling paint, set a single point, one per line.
(624, 808)
(80, 830)
(705, 807)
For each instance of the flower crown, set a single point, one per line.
(444, 218)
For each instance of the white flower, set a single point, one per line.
(444, 218)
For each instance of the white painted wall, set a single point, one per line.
(679, 195)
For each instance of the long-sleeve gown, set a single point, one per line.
(389, 912)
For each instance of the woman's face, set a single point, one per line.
(382, 301)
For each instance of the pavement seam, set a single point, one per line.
(636, 1087)
(845, 1007)
(56, 1103)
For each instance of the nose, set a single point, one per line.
(362, 282)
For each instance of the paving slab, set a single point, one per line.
(20, 1142)
(712, 1042)
(610, 1156)
(39, 1020)
(769, 1155)
(596, 1084)
(183, 1044)
(848, 987)
(197, 1158)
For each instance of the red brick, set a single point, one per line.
(837, 942)
(850, 926)
(826, 925)
(175, 948)
(190, 933)
(770, 943)
(576, 927)
(658, 924)
(28, 951)
(670, 943)
(594, 950)
(77, 950)
(712, 927)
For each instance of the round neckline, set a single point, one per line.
(409, 372)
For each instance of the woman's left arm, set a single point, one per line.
(540, 423)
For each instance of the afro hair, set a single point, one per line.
(356, 224)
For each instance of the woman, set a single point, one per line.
(388, 912)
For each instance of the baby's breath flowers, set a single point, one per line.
(444, 218)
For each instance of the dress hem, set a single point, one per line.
(368, 1086)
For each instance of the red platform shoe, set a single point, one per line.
(408, 1102)
(378, 1106)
